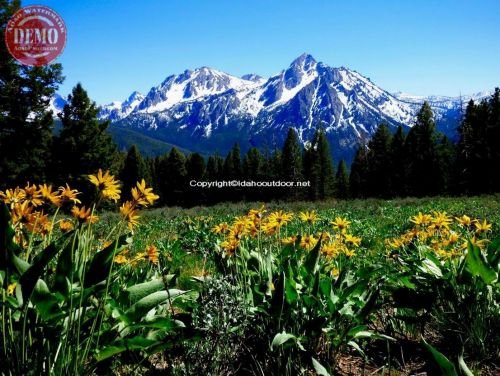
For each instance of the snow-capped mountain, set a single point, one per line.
(56, 104)
(118, 110)
(207, 110)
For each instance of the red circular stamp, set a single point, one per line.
(35, 35)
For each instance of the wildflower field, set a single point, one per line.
(103, 284)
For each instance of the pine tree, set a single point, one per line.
(195, 166)
(472, 149)
(291, 161)
(446, 162)
(84, 145)
(172, 177)
(235, 156)
(422, 159)
(379, 163)
(312, 170)
(359, 171)
(252, 164)
(291, 157)
(134, 170)
(398, 163)
(493, 140)
(25, 122)
(327, 174)
(342, 181)
(195, 171)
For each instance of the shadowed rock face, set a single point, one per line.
(208, 110)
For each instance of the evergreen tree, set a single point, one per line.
(398, 163)
(195, 166)
(211, 171)
(195, 170)
(472, 150)
(25, 122)
(359, 172)
(291, 157)
(172, 177)
(252, 164)
(134, 170)
(326, 170)
(342, 181)
(84, 145)
(493, 140)
(312, 170)
(291, 161)
(235, 156)
(422, 160)
(379, 162)
(446, 157)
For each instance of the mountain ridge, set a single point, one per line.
(207, 110)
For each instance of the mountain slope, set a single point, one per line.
(207, 110)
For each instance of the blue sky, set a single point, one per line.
(443, 47)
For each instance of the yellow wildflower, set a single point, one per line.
(152, 254)
(66, 226)
(108, 187)
(421, 219)
(340, 223)
(12, 197)
(289, 241)
(142, 195)
(309, 217)
(129, 213)
(441, 220)
(482, 227)
(257, 214)
(120, 259)
(84, 215)
(308, 242)
(353, 240)
(221, 228)
(465, 220)
(69, 195)
(49, 195)
(279, 218)
(33, 195)
(21, 212)
(230, 245)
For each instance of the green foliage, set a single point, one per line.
(134, 170)
(83, 145)
(342, 181)
(25, 122)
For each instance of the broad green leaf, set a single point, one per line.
(319, 368)
(447, 367)
(136, 343)
(372, 335)
(30, 277)
(478, 265)
(312, 258)
(290, 291)
(8, 248)
(139, 291)
(282, 338)
(100, 266)
(430, 267)
(355, 346)
(64, 269)
(144, 305)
